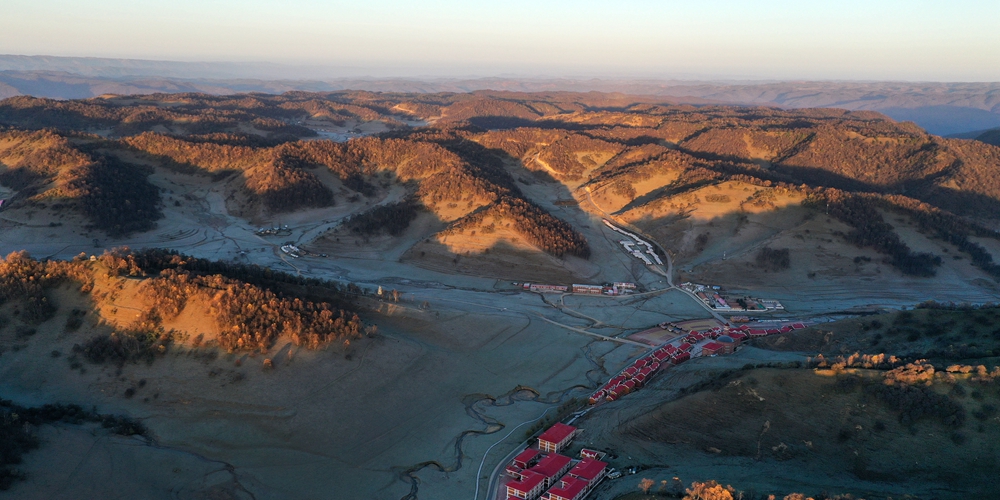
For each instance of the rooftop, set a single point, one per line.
(557, 433)
(572, 488)
(529, 480)
(527, 455)
(551, 465)
(588, 469)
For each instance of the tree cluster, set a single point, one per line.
(391, 219)
(871, 230)
(773, 259)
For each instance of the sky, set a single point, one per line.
(912, 40)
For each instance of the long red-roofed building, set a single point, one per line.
(556, 437)
(589, 470)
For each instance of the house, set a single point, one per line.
(591, 289)
(590, 470)
(569, 489)
(551, 468)
(738, 336)
(528, 487)
(597, 396)
(682, 357)
(556, 437)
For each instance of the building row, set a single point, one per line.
(713, 342)
(613, 289)
(635, 252)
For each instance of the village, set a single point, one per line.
(542, 472)
(714, 297)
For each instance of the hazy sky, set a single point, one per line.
(872, 39)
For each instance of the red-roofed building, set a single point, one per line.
(568, 489)
(772, 331)
(629, 386)
(684, 347)
(616, 380)
(712, 348)
(556, 437)
(757, 332)
(798, 326)
(597, 396)
(526, 458)
(682, 357)
(630, 372)
(552, 467)
(738, 336)
(589, 470)
(528, 487)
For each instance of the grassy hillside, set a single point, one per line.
(880, 426)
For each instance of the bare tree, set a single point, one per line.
(646, 484)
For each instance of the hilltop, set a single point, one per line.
(503, 179)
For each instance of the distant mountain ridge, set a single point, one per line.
(940, 108)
